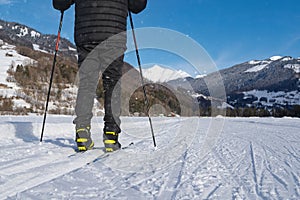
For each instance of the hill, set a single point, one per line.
(22, 35)
(26, 63)
(268, 87)
(254, 88)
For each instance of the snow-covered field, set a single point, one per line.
(196, 158)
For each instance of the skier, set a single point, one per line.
(101, 43)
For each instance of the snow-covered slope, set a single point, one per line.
(10, 90)
(272, 83)
(22, 35)
(259, 65)
(9, 59)
(160, 74)
(251, 158)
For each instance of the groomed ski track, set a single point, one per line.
(197, 158)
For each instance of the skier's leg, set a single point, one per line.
(88, 79)
(112, 104)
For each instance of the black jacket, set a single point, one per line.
(96, 20)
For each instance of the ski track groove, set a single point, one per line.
(227, 167)
(264, 146)
(279, 180)
(224, 179)
(259, 183)
(254, 171)
(205, 159)
(36, 176)
(274, 175)
(29, 163)
(179, 177)
(9, 164)
(233, 176)
(296, 180)
(292, 153)
(213, 191)
(134, 185)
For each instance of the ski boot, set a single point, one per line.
(83, 138)
(110, 138)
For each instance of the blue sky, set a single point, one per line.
(231, 31)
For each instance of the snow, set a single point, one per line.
(254, 62)
(35, 34)
(225, 105)
(196, 95)
(72, 49)
(10, 62)
(7, 93)
(287, 58)
(23, 31)
(250, 158)
(162, 74)
(9, 89)
(274, 58)
(280, 97)
(7, 61)
(256, 68)
(201, 76)
(20, 103)
(295, 67)
(258, 65)
(37, 48)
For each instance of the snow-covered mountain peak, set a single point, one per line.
(22, 35)
(271, 59)
(259, 65)
(274, 58)
(158, 73)
(201, 76)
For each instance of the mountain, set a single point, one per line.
(22, 35)
(260, 84)
(160, 74)
(24, 78)
(26, 58)
(257, 87)
(261, 87)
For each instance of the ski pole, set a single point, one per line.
(52, 73)
(142, 79)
